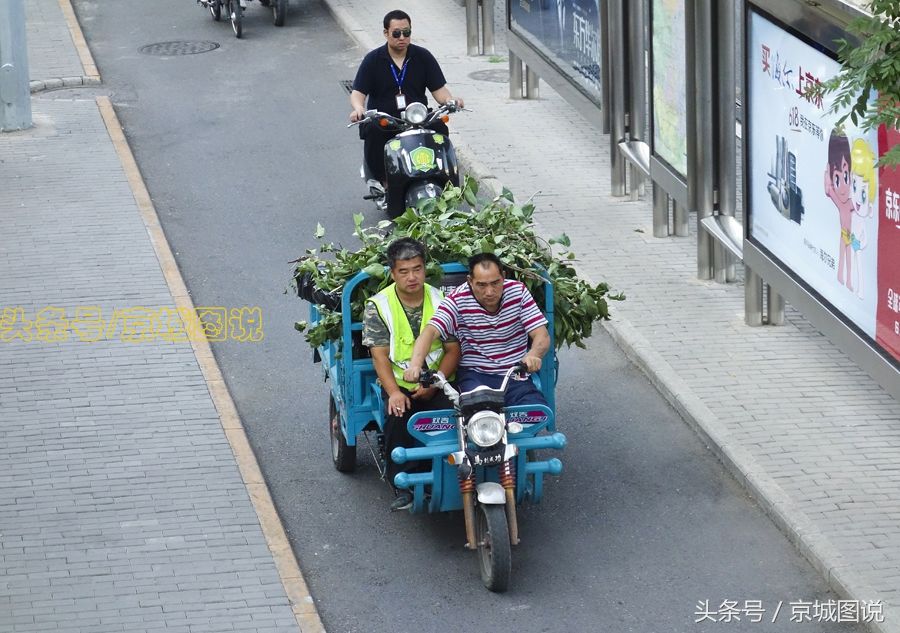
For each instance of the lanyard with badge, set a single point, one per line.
(401, 98)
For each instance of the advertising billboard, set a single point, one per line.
(816, 202)
(669, 83)
(566, 33)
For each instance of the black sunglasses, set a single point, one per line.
(396, 33)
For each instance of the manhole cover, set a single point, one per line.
(497, 75)
(170, 49)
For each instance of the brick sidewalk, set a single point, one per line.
(122, 506)
(808, 432)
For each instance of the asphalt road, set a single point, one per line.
(244, 149)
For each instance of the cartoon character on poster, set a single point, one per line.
(838, 188)
(863, 189)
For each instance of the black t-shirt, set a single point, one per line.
(376, 80)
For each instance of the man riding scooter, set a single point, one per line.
(390, 78)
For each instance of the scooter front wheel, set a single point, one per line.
(494, 553)
(236, 13)
(215, 8)
(279, 11)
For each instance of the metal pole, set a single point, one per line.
(487, 26)
(727, 109)
(472, 26)
(682, 220)
(701, 166)
(15, 93)
(753, 298)
(617, 95)
(637, 72)
(515, 76)
(532, 84)
(660, 212)
(720, 262)
(604, 66)
(774, 307)
(637, 111)
(727, 92)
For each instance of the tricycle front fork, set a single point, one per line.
(508, 481)
(467, 491)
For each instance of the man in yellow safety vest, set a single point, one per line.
(391, 323)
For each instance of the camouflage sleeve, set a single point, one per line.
(375, 333)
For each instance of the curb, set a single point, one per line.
(81, 47)
(42, 85)
(296, 590)
(800, 531)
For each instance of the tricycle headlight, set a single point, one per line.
(485, 428)
(415, 113)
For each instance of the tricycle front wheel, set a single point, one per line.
(494, 555)
(342, 454)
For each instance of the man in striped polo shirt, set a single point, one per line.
(494, 319)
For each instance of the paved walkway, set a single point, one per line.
(125, 477)
(809, 433)
(122, 507)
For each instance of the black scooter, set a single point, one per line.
(419, 162)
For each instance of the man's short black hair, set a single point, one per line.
(482, 258)
(403, 249)
(396, 14)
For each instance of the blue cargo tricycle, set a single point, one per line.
(481, 453)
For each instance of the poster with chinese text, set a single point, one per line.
(567, 32)
(813, 187)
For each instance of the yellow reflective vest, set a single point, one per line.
(402, 337)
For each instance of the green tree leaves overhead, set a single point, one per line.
(871, 62)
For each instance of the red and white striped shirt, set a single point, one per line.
(491, 342)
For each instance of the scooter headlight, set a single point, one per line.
(485, 428)
(415, 113)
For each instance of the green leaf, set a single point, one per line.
(562, 239)
(320, 231)
(374, 270)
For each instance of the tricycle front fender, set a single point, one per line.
(491, 493)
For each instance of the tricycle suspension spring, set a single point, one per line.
(508, 481)
(508, 475)
(467, 491)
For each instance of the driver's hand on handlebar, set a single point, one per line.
(533, 363)
(423, 393)
(357, 115)
(412, 374)
(460, 104)
(398, 403)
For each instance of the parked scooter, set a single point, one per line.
(419, 162)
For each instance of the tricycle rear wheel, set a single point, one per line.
(342, 454)
(279, 11)
(494, 555)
